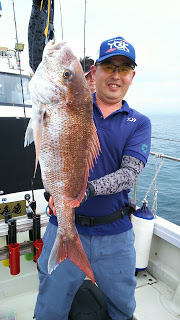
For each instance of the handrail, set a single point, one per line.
(157, 155)
(161, 155)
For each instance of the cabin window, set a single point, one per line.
(11, 90)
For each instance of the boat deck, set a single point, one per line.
(152, 296)
(153, 299)
(157, 298)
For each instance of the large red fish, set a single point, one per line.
(66, 143)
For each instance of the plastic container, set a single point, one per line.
(5, 263)
(28, 256)
(14, 258)
(38, 245)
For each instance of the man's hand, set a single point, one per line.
(88, 194)
(51, 205)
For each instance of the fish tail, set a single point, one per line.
(69, 248)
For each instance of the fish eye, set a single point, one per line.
(66, 74)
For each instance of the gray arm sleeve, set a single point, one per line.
(122, 179)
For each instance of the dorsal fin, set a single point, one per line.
(95, 147)
(95, 150)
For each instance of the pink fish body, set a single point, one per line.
(66, 143)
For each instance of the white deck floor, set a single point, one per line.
(20, 307)
(152, 297)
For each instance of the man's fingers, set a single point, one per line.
(51, 205)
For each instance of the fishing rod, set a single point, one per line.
(18, 59)
(84, 32)
(33, 203)
(61, 18)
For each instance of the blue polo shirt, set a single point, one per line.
(124, 132)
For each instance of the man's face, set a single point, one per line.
(112, 87)
(91, 82)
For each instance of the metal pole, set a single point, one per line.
(161, 155)
(84, 34)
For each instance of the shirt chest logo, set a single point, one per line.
(131, 119)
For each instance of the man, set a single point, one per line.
(86, 63)
(106, 232)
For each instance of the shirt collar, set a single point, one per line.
(124, 108)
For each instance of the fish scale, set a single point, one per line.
(66, 144)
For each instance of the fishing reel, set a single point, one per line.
(31, 208)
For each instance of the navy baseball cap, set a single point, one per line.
(117, 46)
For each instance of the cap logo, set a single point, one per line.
(110, 50)
(118, 44)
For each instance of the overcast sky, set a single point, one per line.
(152, 26)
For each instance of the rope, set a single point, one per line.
(47, 27)
(41, 5)
(155, 192)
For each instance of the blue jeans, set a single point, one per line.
(112, 259)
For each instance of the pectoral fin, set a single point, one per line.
(34, 133)
(29, 136)
(38, 126)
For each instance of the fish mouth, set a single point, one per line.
(53, 47)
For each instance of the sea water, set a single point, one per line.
(166, 140)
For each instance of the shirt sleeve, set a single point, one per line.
(122, 179)
(139, 142)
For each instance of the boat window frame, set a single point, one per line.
(9, 90)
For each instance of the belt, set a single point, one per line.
(95, 221)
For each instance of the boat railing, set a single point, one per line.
(163, 228)
(157, 169)
(161, 155)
